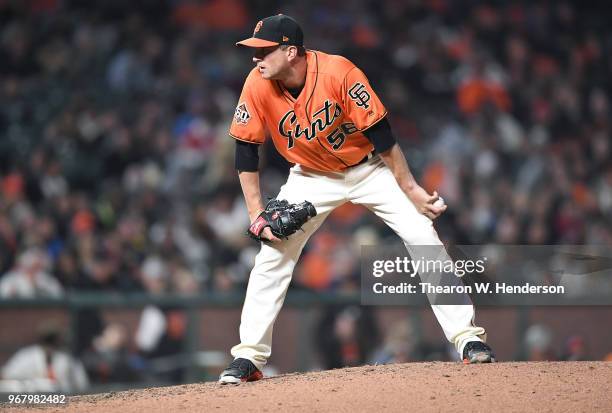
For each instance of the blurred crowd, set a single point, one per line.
(116, 171)
(153, 354)
(349, 336)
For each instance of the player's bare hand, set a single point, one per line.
(262, 234)
(424, 202)
(267, 234)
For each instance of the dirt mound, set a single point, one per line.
(542, 387)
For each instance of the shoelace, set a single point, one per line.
(477, 346)
(245, 366)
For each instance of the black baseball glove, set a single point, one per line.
(282, 217)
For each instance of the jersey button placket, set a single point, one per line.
(297, 108)
(298, 113)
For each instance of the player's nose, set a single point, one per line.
(256, 59)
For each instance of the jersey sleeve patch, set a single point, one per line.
(242, 115)
(360, 95)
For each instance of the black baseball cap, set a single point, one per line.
(275, 30)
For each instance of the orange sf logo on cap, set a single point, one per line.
(258, 26)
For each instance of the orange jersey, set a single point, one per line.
(323, 128)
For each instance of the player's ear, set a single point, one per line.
(292, 52)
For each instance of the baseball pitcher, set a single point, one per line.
(324, 117)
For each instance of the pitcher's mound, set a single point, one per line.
(524, 387)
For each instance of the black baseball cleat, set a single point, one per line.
(477, 352)
(239, 371)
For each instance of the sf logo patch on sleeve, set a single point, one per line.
(360, 95)
(242, 115)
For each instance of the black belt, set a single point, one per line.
(365, 158)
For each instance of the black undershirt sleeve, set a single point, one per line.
(247, 156)
(381, 136)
